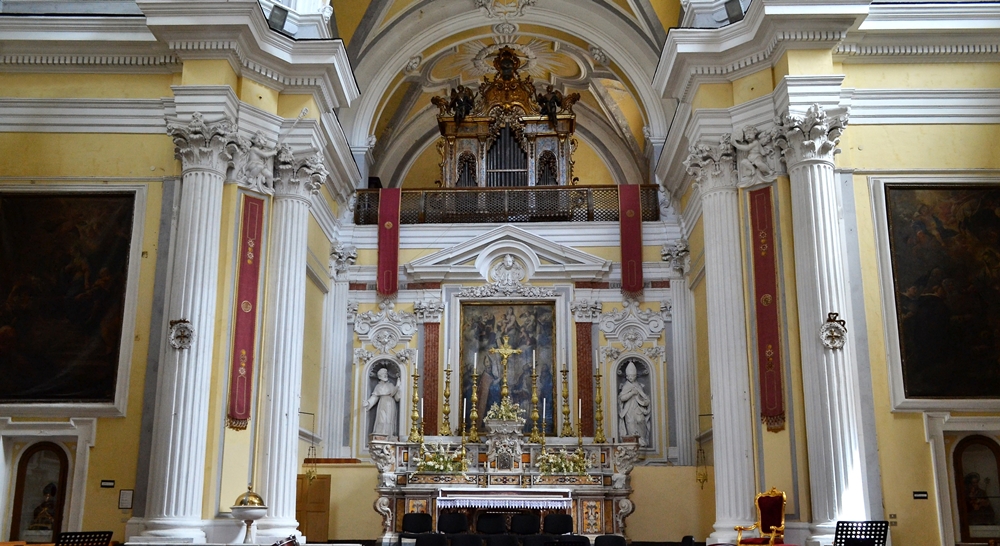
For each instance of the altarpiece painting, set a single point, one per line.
(944, 246)
(64, 260)
(527, 327)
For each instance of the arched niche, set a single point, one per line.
(634, 401)
(386, 397)
(40, 493)
(977, 482)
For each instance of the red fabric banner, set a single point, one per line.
(772, 407)
(245, 323)
(388, 241)
(630, 220)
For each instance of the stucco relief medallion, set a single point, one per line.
(833, 333)
(181, 334)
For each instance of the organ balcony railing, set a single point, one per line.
(506, 205)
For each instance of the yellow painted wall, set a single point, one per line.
(928, 76)
(351, 498)
(57, 154)
(209, 72)
(669, 504)
(312, 353)
(86, 86)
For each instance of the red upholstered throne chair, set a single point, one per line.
(770, 520)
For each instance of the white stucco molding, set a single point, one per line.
(237, 31)
(542, 259)
(936, 424)
(82, 432)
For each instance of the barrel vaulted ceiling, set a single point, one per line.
(406, 51)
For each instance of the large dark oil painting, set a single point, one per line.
(528, 327)
(945, 250)
(63, 268)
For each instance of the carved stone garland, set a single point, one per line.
(507, 274)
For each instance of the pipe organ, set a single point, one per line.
(506, 134)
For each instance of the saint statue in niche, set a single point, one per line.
(633, 407)
(43, 517)
(384, 397)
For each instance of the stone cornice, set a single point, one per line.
(75, 43)
(237, 31)
(692, 56)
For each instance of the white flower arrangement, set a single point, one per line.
(506, 410)
(438, 459)
(562, 462)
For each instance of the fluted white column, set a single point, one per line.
(715, 169)
(177, 466)
(685, 366)
(283, 338)
(333, 371)
(829, 368)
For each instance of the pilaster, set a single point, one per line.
(829, 366)
(177, 475)
(715, 170)
(334, 373)
(685, 366)
(295, 184)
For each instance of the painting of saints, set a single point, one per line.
(63, 267)
(944, 243)
(528, 328)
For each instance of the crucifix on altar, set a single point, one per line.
(505, 351)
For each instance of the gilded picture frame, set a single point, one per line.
(530, 327)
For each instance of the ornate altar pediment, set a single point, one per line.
(631, 326)
(540, 258)
(386, 328)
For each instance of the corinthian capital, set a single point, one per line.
(298, 178)
(203, 145)
(677, 255)
(714, 167)
(812, 137)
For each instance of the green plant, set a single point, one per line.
(439, 459)
(562, 462)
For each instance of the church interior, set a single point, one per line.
(359, 271)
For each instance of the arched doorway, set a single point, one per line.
(39, 493)
(977, 468)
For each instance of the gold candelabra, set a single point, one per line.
(535, 436)
(446, 410)
(567, 427)
(598, 412)
(416, 423)
(473, 413)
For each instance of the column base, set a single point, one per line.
(172, 530)
(271, 530)
(725, 532)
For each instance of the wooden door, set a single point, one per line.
(312, 507)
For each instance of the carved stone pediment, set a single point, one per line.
(386, 328)
(631, 326)
(540, 259)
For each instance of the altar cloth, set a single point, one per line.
(510, 498)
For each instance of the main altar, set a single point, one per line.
(504, 470)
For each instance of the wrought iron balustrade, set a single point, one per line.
(507, 205)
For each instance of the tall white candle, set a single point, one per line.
(544, 400)
(595, 359)
(416, 360)
(447, 361)
(579, 409)
(421, 408)
(532, 361)
(464, 402)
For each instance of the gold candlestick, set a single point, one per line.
(446, 411)
(535, 436)
(598, 413)
(416, 436)
(567, 428)
(473, 414)
(579, 431)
